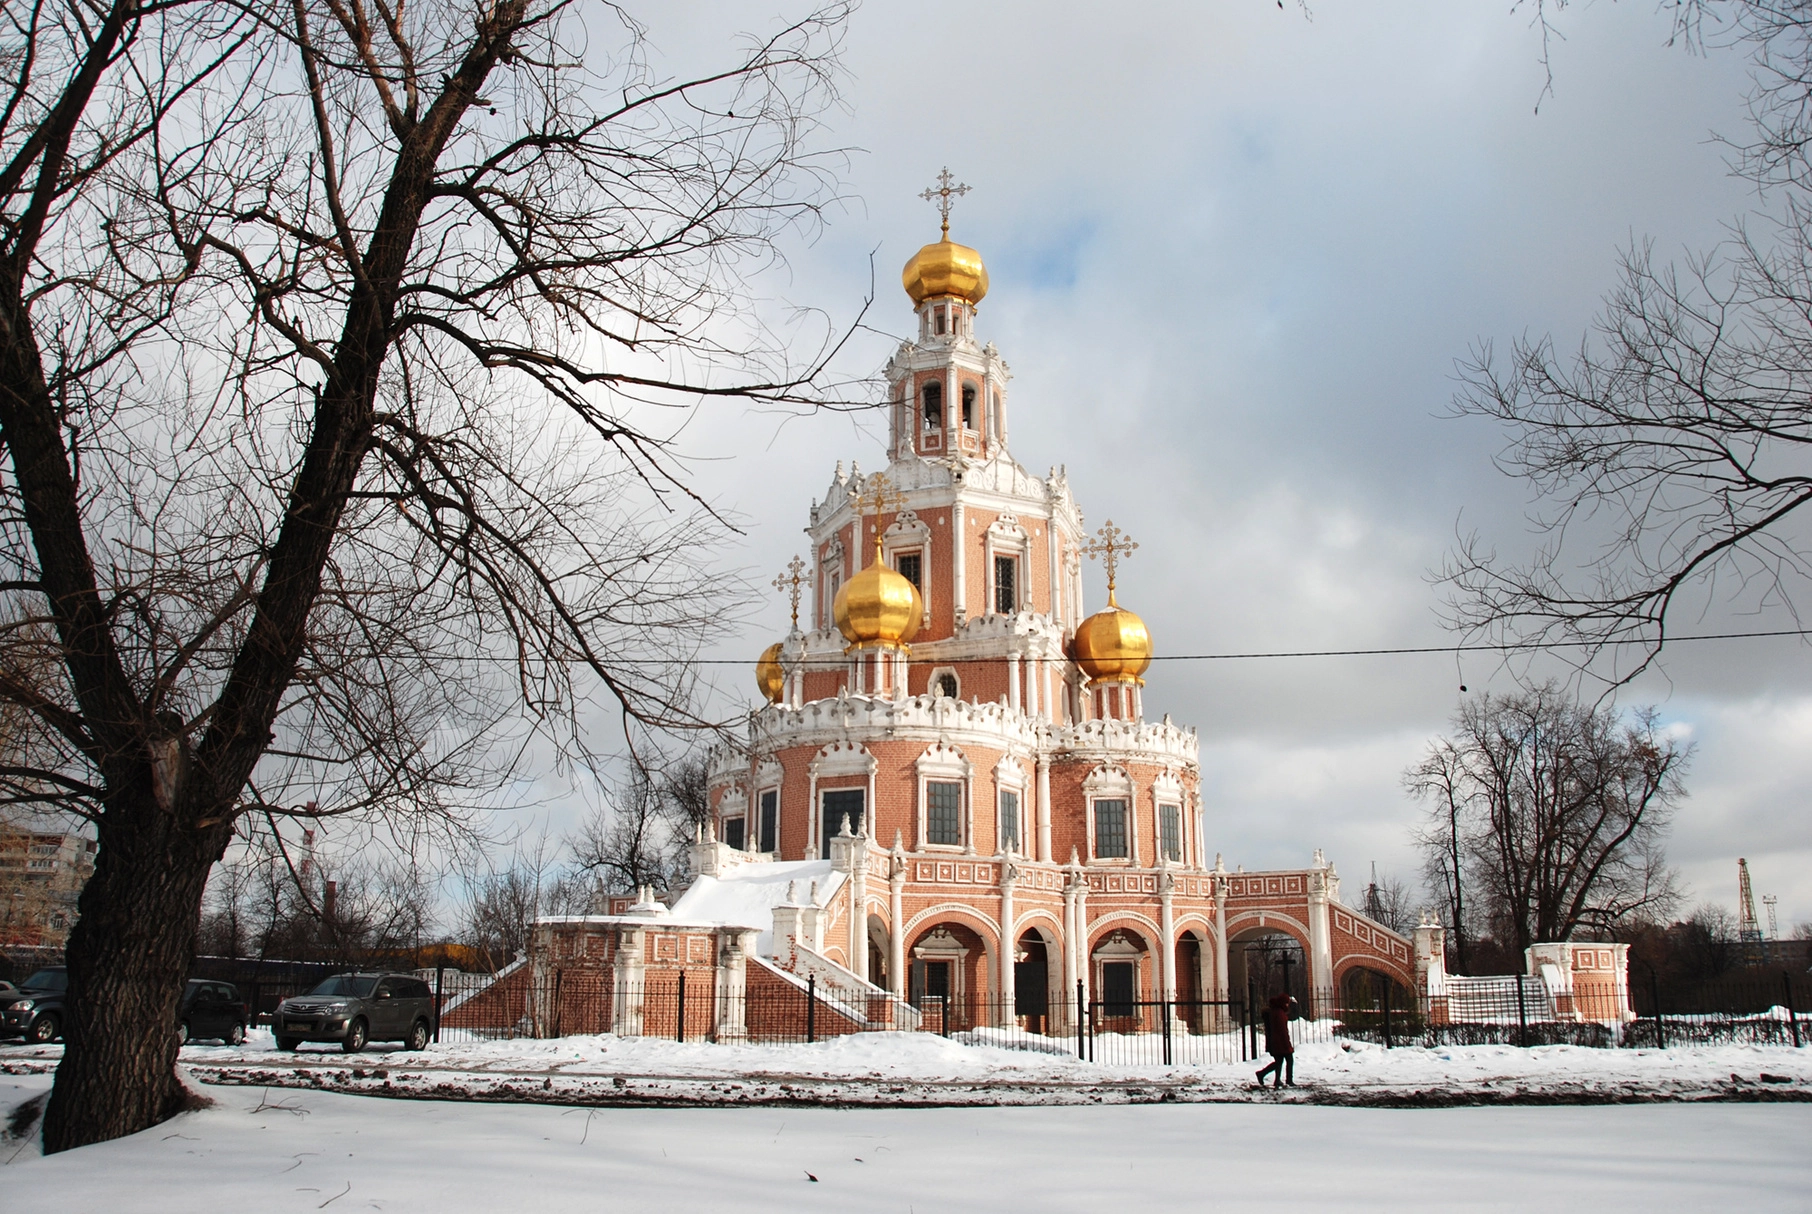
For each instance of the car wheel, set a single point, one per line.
(418, 1036)
(288, 1044)
(356, 1037)
(236, 1034)
(44, 1029)
(184, 1034)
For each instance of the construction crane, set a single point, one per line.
(1774, 925)
(1749, 932)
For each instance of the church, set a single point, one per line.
(951, 809)
(964, 744)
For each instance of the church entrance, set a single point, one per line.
(1032, 983)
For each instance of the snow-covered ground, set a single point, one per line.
(281, 1150)
(921, 1068)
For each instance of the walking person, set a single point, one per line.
(1277, 1041)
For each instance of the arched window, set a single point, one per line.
(945, 685)
(968, 406)
(934, 405)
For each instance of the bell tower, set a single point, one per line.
(948, 393)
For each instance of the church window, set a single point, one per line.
(968, 406)
(839, 804)
(945, 685)
(1119, 984)
(1110, 829)
(940, 322)
(1009, 820)
(944, 813)
(934, 405)
(770, 820)
(910, 566)
(1170, 831)
(1006, 585)
(733, 832)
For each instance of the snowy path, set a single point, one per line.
(295, 1151)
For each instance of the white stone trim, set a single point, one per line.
(1111, 783)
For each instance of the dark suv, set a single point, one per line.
(353, 1009)
(212, 1009)
(36, 1012)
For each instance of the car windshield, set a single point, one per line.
(48, 980)
(349, 985)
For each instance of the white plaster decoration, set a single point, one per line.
(1005, 537)
(940, 945)
(841, 758)
(960, 541)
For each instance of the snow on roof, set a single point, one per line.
(745, 896)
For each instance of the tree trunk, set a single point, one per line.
(128, 957)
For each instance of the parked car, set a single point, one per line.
(211, 1009)
(36, 1011)
(354, 1009)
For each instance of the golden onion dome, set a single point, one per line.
(768, 673)
(878, 606)
(945, 268)
(1113, 645)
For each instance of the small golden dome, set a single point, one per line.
(1113, 645)
(945, 268)
(768, 674)
(878, 606)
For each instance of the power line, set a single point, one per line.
(1500, 647)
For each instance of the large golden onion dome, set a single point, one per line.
(1113, 645)
(945, 268)
(768, 674)
(878, 606)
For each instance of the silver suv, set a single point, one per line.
(354, 1009)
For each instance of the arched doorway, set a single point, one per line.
(1192, 952)
(1365, 996)
(1124, 979)
(1261, 962)
(1032, 958)
(878, 950)
(949, 976)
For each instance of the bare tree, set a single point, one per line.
(632, 839)
(1673, 447)
(1549, 816)
(503, 904)
(333, 340)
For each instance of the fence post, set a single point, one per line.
(440, 977)
(1387, 989)
(811, 1008)
(1654, 988)
(1081, 1010)
(1164, 1010)
(1792, 1012)
(1522, 1016)
(679, 1032)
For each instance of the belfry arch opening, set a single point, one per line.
(1262, 961)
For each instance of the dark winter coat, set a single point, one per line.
(1277, 1029)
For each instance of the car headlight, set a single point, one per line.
(20, 1005)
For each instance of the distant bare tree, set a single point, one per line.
(333, 343)
(502, 905)
(1546, 817)
(631, 840)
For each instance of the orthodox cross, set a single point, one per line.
(878, 494)
(942, 196)
(1111, 544)
(790, 580)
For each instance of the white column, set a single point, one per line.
(896, 935)
(958, 583)
(1008, 944)
(1044, 808)
(1013, 700)
(1167, 960)
(1220, 939)
(1069, 943)
(1321, 949)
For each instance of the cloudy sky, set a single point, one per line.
(1235, 254)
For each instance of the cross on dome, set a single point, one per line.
(792, 578)
(942, 195)
(1110, 545)
(877, 494)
